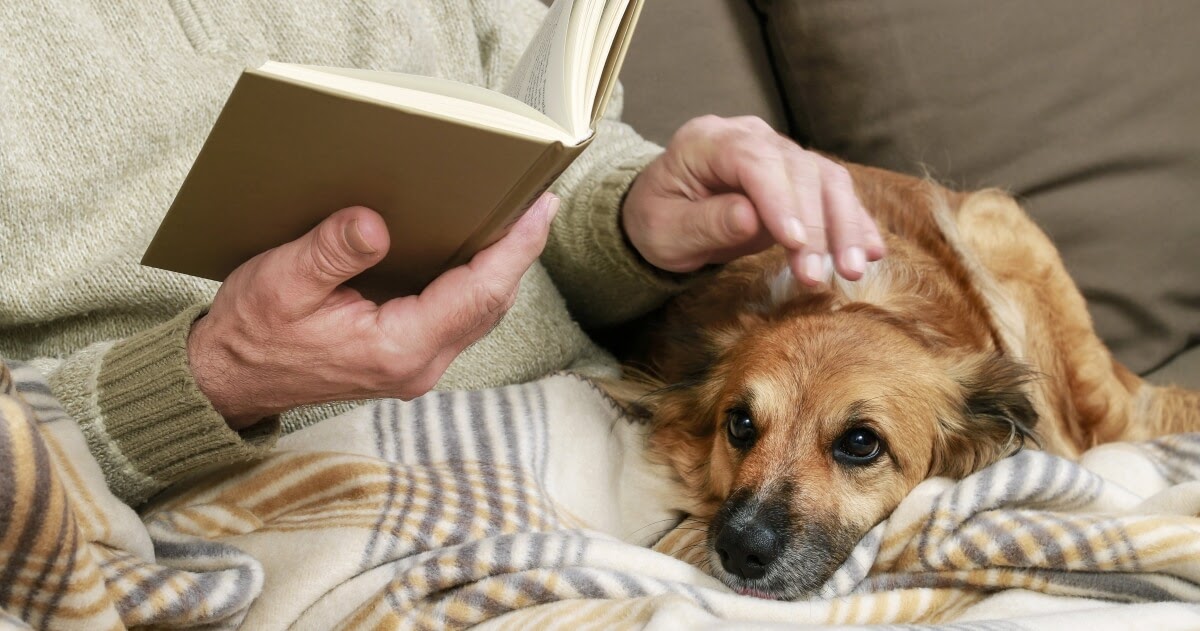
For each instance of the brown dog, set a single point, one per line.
(801, 417)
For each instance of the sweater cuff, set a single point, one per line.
(629, 265)
(156, 422)
(604, 279)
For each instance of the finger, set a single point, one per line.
(342, 246)
(874, 240)
(716, 229)
(841, 185)
(810, 262)
(467, 301)
(845, 217)
(814, 268)
(751, 160)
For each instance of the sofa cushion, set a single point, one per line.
(1089, 111)
(693, 58)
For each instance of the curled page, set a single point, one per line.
(539, 76)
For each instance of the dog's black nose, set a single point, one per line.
(748, 549)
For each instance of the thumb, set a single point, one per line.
(342, 246)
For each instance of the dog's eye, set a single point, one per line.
(741, 429)
(858, 446)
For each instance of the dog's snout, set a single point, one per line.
(747, 550)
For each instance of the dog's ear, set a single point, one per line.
(679, 398)
(682, 430)
(995, 416)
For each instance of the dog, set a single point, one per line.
(799, 418)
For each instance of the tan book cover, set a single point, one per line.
(288, 150)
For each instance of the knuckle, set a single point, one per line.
(325, 258)
(755, 125)
(756, 152)
(818, 237)
(491, 299)
(804, 165)
(485, 305)
(699, 127)
(840, 176)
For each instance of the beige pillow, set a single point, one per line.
(693, 58)
(1090, 111)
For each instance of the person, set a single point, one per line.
(105, 104)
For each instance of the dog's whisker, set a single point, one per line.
(659, 521)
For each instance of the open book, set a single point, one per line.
(450, 166)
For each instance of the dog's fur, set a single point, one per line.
(966, 342)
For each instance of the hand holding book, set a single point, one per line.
(284, 331)
(450, 166)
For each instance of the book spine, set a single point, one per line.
(536, 180)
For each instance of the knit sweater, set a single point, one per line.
(104, 105)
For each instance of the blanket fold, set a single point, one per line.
(536, 506)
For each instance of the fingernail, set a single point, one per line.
(552, 210)
(795, 231)
(878, 249)
(815, 267)
(855, 260)
(355, 238)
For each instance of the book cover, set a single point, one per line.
(287, 151)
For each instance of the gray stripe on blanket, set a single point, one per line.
(512, 447)
(1177, 457)
(1124, 587)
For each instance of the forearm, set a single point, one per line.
(145, 420)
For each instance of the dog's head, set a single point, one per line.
(804, 425)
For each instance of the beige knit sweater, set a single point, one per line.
(103, 106)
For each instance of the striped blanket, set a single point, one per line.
(534, 507)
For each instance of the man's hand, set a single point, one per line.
(283, 331)
(726, 188)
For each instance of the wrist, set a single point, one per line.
(623, 215)
(220, 375)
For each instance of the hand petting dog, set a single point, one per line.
(726, 188)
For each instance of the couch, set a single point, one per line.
(531, 506)
(1088, 112)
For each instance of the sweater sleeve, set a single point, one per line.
(603, 279)
(145, 420)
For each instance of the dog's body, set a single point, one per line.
(801, 417)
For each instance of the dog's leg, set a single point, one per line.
(1043, 319)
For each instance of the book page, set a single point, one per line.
(616, 31)
(606, 33)
(435, 97)
(540, 75)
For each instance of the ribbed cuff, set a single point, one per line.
(157, 418)
(603, 278)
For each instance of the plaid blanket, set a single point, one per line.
(534, 507)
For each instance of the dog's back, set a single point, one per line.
(1083, 395)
